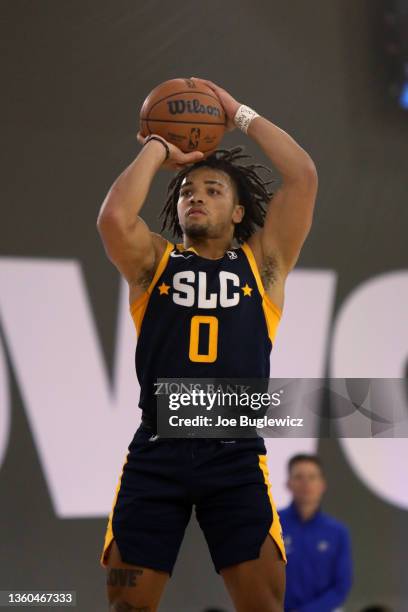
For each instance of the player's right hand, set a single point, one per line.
(177, 159)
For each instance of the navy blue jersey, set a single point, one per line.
(203, 318)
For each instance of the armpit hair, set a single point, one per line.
(269, 271)
(145, 278)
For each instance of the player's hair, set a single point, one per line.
(252, 191)
(299, 458)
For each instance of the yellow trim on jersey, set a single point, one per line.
(254, 267)
(162, 264)
(109, 537)
(275, 530)
(272, 316)
(181, 247)
(138, 309)
(138, 306)
(272, 312)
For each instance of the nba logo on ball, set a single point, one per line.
(194, 138)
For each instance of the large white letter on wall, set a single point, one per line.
(4, 405)
(370, 340)
(80, 425)
(300, 351)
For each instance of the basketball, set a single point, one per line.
(185, 113)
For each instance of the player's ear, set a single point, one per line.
(238, 214)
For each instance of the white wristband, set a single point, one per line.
(244, 116)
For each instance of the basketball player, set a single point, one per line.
(213, 203)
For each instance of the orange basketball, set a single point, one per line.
(185, 113)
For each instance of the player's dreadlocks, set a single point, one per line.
(252, 191)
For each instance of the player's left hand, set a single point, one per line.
(229, 104)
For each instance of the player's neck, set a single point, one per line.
(210, 248)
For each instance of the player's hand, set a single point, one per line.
(229, 104)
(177, 159)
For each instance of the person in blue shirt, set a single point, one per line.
(319, 568)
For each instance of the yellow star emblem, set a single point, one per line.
(164, 289)
(247, 290)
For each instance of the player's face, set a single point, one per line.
(306, 483)
(207, 204)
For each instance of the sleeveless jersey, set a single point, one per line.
(202, 318)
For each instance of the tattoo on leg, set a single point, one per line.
(123, 577)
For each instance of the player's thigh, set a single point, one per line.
(258, 584)
(132, 588)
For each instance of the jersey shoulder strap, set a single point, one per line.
(272, 312)
(138, 306)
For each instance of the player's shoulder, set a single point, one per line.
(159, 240)
(160, 244)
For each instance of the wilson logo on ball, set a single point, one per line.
(179, 107)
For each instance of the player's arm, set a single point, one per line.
(289, 216)
(290, 211)
(128, 242)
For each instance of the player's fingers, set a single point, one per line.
(192, 157)
(205, 82)
(213, 85)
(140, 138)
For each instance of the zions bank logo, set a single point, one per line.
(181, 107)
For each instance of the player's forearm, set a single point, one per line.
(129, 191)
(290, 160)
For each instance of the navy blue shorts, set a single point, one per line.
(162, 479)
